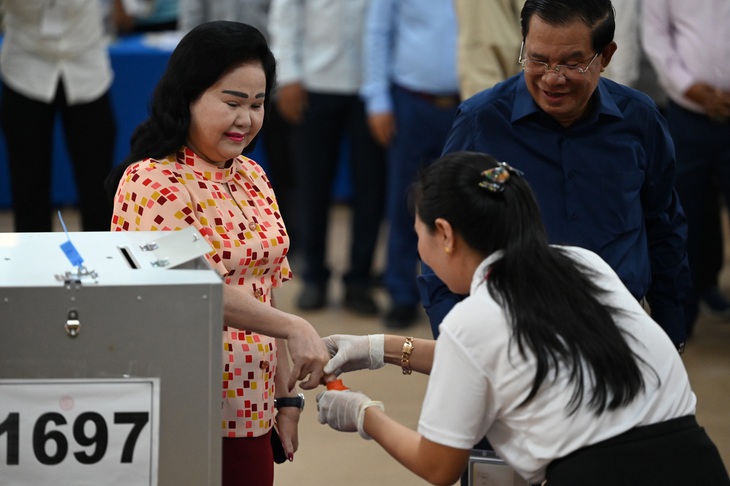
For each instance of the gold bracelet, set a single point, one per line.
(405, 359)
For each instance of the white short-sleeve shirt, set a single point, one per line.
(479, 379)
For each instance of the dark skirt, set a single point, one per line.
(248, 461)
(677, 452)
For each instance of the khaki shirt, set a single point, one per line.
(488, 43)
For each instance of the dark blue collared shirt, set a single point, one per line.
(606, 183)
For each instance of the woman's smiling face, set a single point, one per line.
(228, 115)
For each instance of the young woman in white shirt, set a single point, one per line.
(550, 357)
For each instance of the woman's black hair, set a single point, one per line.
(599, 15)
(204, 55)
(551, 300)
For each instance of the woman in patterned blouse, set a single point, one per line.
(185, 168)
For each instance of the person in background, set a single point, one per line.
(489, 36)
(599, 157)
(688, 46)
(139, 16)
(252, 12)
(276, 136)
(626, 61)
(550, 355)
(411, 92)
(317, 44)
(185, 168)
(54, 61)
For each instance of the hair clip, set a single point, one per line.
(496, 177)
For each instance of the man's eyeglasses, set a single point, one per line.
(539, 68)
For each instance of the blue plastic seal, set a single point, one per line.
(68, 248)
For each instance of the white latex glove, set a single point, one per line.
(351, 353)
(345, 410)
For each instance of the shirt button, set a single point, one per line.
(571, 175)
(258, 293)
(252, 226)
(264, 365)
(574, 216)
(264, 261)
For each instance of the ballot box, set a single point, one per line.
(110, 359)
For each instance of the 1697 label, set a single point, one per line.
(82, 431)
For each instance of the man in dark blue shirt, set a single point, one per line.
(597, 154)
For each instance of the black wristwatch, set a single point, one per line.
(297, 401)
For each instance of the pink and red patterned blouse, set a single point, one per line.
(236, 210)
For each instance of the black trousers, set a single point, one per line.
(702, 180)
(318, 140)
(677, 452)
(90, 132)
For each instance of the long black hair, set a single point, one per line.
(599, 15)
(552, 301)
(204, 55)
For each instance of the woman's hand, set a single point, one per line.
(345, 410)
(351, 353)
(308, 353)
(287, 424)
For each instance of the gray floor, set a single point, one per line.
(327, 457)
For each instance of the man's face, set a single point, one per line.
(565, 99)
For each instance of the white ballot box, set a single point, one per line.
(110, 359)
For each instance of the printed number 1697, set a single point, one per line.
(99, 440)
